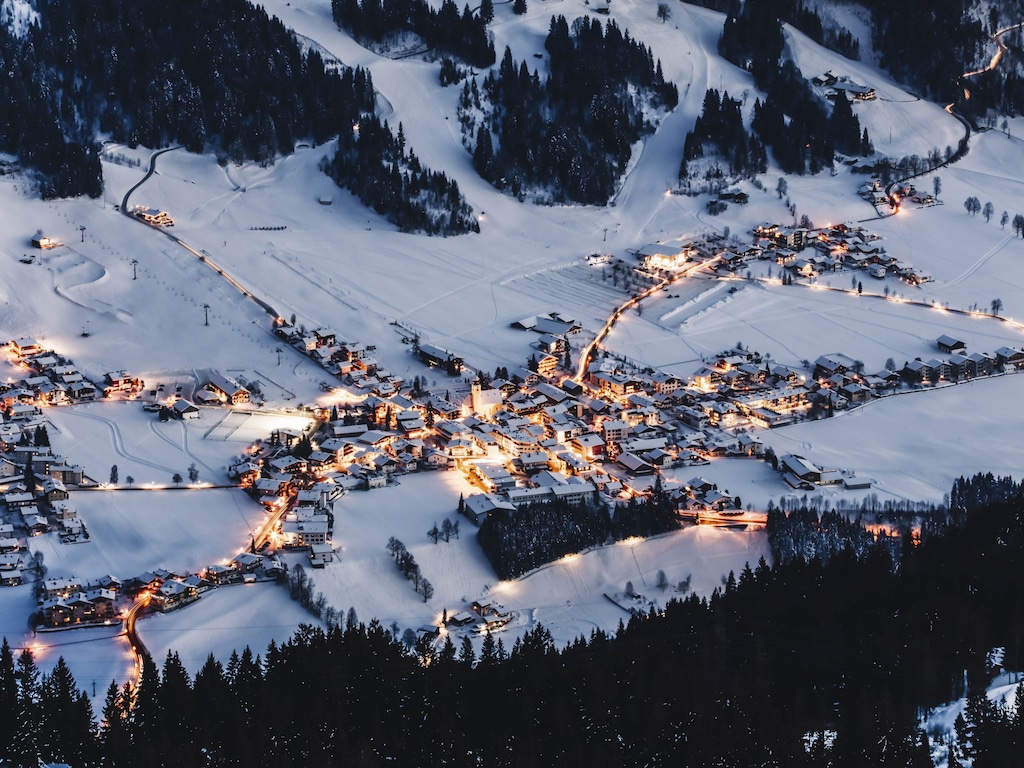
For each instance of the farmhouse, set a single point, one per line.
(228, 388)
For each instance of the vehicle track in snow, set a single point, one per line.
(117, 441)
(183, 446)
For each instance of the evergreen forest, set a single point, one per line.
(211, 75)
(808, 662)
(567, 137)
(462, 34)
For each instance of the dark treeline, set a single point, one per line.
(804, 533)
(829, 34)
(571, 134)
(925, 44)
(213, 75)
(719, 130)
(464, 35)
(33, 126)
(377, 168)
(756, 674)
(928, 44)
(792, 120)
(536, 534)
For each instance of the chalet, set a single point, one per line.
(916, 372)
(173, 594)
(950, 345)
(228, 389)
(1008, 356)
(121, 381)
(634, 464)
(287, 464)
(39, 240)
(53, 491)
(222, 574)
(855, 392)
(668, 257)
(797, 467)
(555, 324)
(83, 391)
(533, 461)
(436, 356)
(24, 412)
(666, 383)
(11, 577)
(9, 545)
(25, 346)
(19, 500)
(247, 562)
(480, 506)
(58, 587)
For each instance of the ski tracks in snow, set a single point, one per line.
(117, 441)
(978, 264)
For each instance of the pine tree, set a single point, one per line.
(8, 700)
(29, 476)
(466, 653)
(115, 736)
(486, 11)
(519, 7)
(67, 719)
(28, 737)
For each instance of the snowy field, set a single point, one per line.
(343, 267)
(102, 435)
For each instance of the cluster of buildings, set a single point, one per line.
(69, 602)
(50, 380)
(835, 247)
(350, 361)
(960, 365)
(30, 511)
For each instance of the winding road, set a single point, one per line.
(202, 256)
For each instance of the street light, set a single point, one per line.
(206, 314)
(82, 228)
(135, 274)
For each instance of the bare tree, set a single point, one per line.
(664, 13)
(987, 212)
(997, 306)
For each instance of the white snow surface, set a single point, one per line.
(343, 267)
